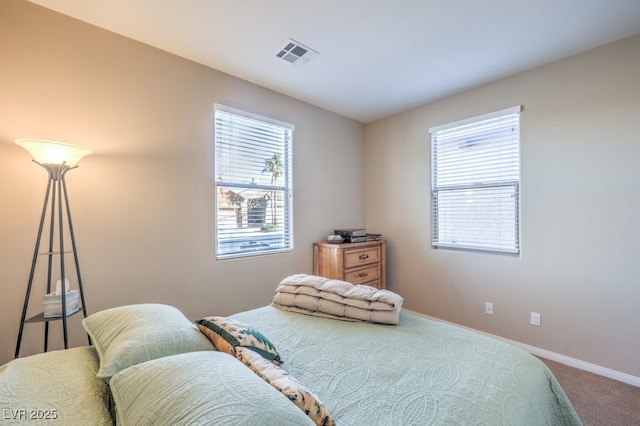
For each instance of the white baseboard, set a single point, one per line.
(563, 359)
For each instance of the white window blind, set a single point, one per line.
(253, 175)
(475, 182)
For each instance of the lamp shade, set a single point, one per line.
(53, 152)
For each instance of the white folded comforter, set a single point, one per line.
(319, 296)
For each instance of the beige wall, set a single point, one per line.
(580, 189)
(143, 204)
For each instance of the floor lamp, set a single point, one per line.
(57, 158)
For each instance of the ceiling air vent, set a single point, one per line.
(296, 53)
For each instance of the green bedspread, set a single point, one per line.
(420, 372)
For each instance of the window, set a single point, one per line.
(475, 183)
(253, 184)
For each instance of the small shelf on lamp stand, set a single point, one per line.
(41, 318)
(57, 158)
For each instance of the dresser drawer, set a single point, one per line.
(362, 275)
(377, 284)
(363, 256)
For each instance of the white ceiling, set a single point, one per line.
(376, 57)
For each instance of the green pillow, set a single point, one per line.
(129, 335)
(211, 388)
(226, 334)
(61, 386)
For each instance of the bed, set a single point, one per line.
(150, 365)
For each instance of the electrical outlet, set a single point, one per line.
(488, 308)
(535, 319)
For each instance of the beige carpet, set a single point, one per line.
(598, 400)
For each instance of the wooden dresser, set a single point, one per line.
(357, 263)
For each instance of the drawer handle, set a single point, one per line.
(363, 274)
(364, 256)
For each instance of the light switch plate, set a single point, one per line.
(535, 319)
